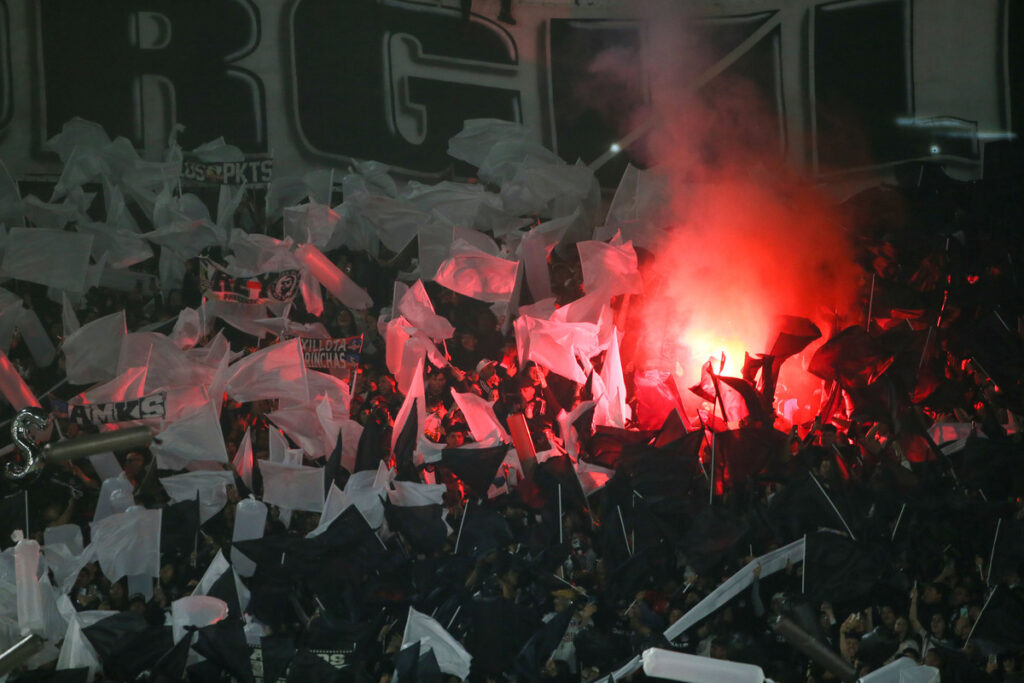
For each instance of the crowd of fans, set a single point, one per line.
(570, 592)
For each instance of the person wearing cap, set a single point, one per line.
(909, 648)
(488, 379)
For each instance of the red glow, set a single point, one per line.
(742, 254)
(747, 239)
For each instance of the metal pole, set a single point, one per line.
(805, 643)
(16, 655)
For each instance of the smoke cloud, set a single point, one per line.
(748, 238)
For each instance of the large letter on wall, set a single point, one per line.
(392, 81)
(139, 66)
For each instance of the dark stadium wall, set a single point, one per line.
(854, 86)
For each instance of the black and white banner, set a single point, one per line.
(276, 286)
(144, 408)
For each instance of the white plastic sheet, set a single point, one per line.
(54, 258)
(10, 199)
(77, 652)
(68, 316)
(297, 488)
(312, 293)
(50, 215)
(13, 387)
(333, 279)
(592, 477)
(115, 496)
(214, 571)
(770, 563)
(415, 394)
(554, 344)
(91, 354)
(366, 490)
(478, 136)
(610, 268)
(66, 565)
(459, 203)
(312, 223)
(679, 666)
(128, 543)
(217, 150)
(36, 338)
(195, 610)
(256, 253)
(122, 248)
(250, 523)
(414, 304)
(549, 188)
(10, 309)
(30, 601)
(303, 424)
(637, 207)
(77, 132)
(393, 221)
(243, 461)
(68, 534)
(196, 436)
(277, 371)
(211, 486)
(480, 417)
(612, 409)
(477, 274)
(410, 494)
(188, 329)
(902, 670)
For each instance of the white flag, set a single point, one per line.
(333, 279)
(197, 436)
(243, 458)
(196, 610)
(30, 600)
(54, 258)
(480, 417)
(478, 275)
(451, 657)
(410, 494)
(128, 543)
(211, 487)
(296, 488)
(611, 268)
(91, 354)
(679, 666)
(277, 371)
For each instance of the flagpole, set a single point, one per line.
(570, 585)
(27, 535)
(902, 508)
(803, 574)
(625, 536)
(871, 302)
(195, 542)
(711, 479)
(465, 511)
(704, 432)
(987, 600)
(924, 351)
(452, 620)
(834, 508)
(991, 557)
(559, 514)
